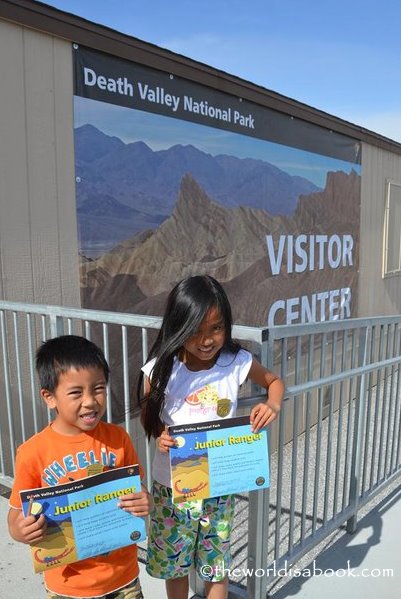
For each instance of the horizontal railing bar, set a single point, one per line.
(371, 493)
(340, 376)
(82, 314)
(301, 549)
(294, 390)
(296, 330)
(6, 481)
(242, 332)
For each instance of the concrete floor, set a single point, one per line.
(366, 565)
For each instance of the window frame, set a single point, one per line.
(386, 236)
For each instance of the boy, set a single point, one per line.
(73, 376)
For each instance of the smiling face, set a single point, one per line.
(201, 349)
(79, 399)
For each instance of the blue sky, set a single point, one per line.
(343, 57)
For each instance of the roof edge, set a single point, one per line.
(55, 22)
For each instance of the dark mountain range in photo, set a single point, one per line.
(123, 189)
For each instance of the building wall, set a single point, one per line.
(38, 229)
(377, 296)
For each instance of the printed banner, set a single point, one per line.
(175, 178)
(83, 519)
(218, 458)
(110, 79)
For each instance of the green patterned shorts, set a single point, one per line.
(193, 533)
(131, 591)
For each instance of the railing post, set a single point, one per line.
(258, 531)
(7, 392)
(258, 511)
(56, 325)
(357, 446)
(196, 585)
(149, 445)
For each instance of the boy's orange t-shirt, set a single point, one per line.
(49, 459)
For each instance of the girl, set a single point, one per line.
(194, 372)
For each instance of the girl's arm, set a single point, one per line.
(264, 413)
(164, 442)
(138, 504)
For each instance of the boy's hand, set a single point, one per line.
(138, 504)
(165, 441)
(26, 530)
(261, 415)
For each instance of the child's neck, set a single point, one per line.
(195, 364)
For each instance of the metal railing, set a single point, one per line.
(338, 438)
(335, 445)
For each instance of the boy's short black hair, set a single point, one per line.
(58, 355)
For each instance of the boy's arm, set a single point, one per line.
(140, 503)
(26, 530)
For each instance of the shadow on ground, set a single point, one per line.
(345, 556)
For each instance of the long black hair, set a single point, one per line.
(187, 305)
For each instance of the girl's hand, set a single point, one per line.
(165, 441)
(138, 504)
(261, 415)
(26, 530)
(264, 413)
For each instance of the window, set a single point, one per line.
(392, 230)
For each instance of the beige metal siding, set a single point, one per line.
(38, 230)
(377, 296)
